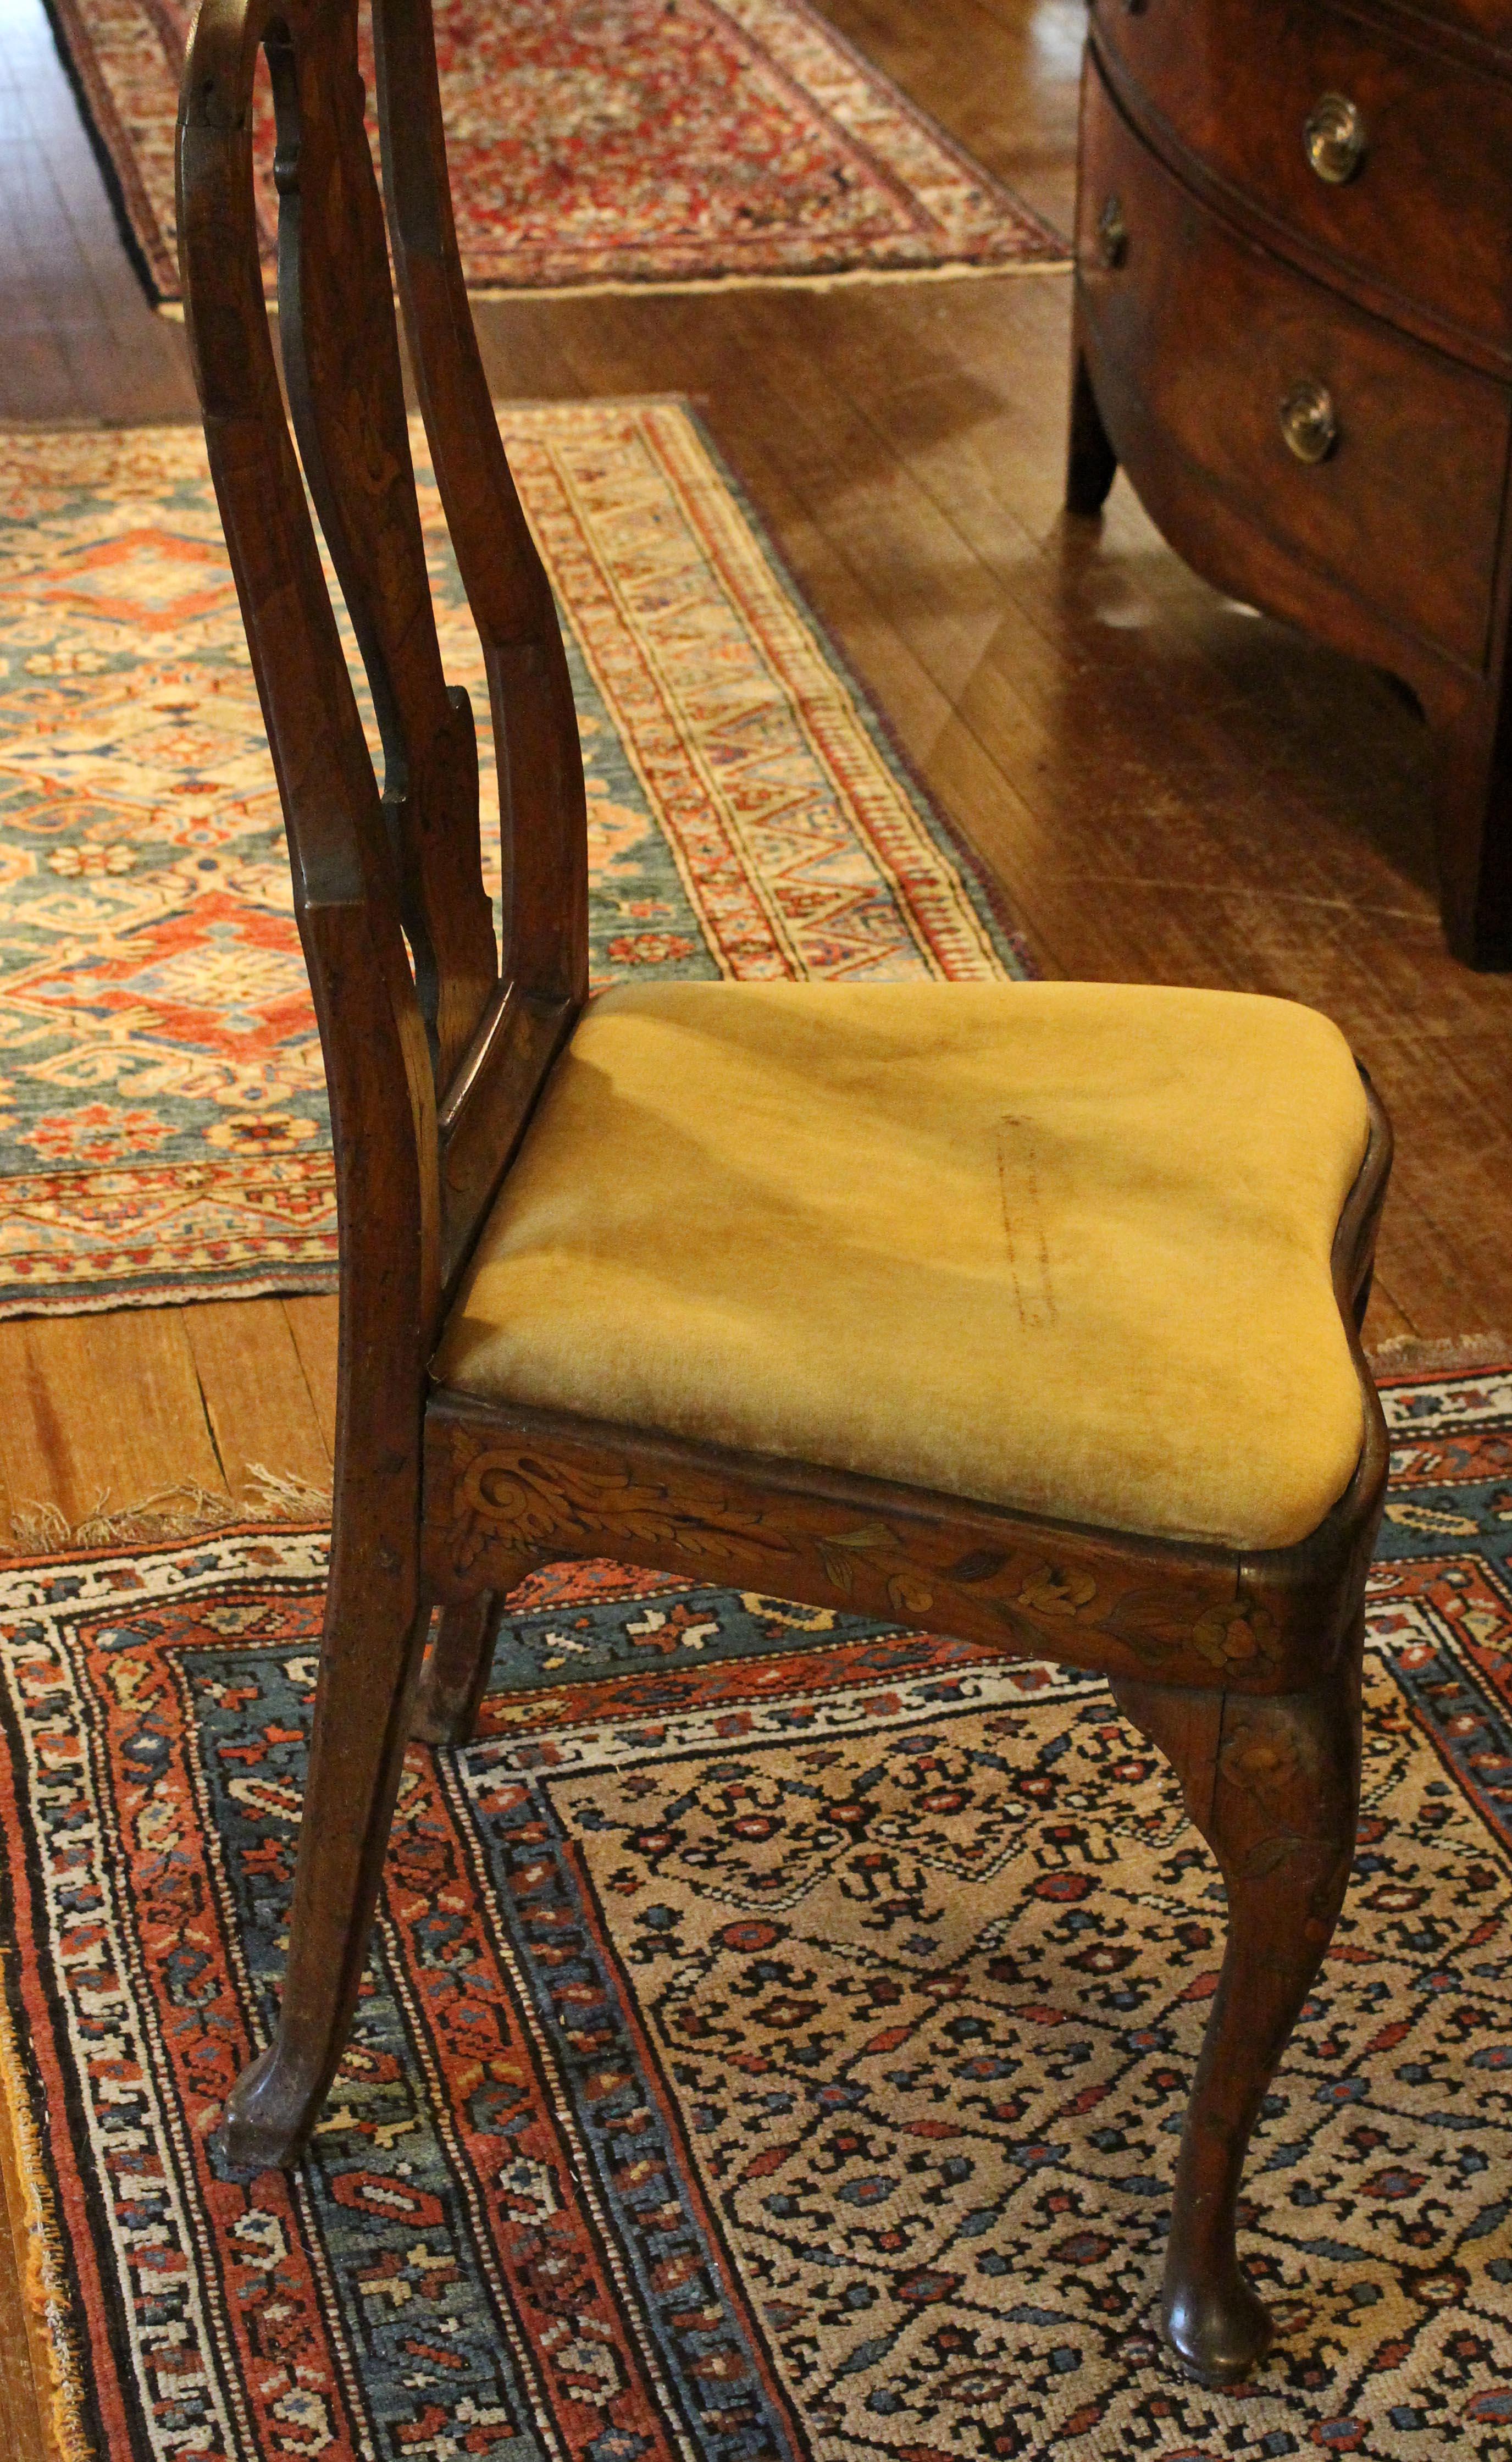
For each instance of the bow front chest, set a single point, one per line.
(1294, 329)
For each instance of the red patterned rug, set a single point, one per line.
(605, 141)
(775, 2040)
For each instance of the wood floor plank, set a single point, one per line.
(312, 1323)
(82, 341)
(256, 1395)
(104, 1412)
(1002, 74)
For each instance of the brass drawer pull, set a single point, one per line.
(1308, 422)
(1113, 234)
(1333, 139)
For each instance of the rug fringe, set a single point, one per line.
(185, 1510)
(1408, 1354)
(42, 2262)
(661, 287)
(284, 1496)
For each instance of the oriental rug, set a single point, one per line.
(608, 142)
(776, 2037)
(164, 1133)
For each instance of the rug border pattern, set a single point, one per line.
(928, 875)
(1426, 1406)
(861, 95)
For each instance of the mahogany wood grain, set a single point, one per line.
(1488, 21)
(1421, 226)
(364, 873)
(456, 1674)
(1416, 430)
(541, 795)
(341, 369)
(1236, 273)
(348, 904)
(1273, 1785)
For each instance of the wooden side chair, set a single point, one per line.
(1028, 1313)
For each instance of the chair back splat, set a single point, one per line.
(436, 1057)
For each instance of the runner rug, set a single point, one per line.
(164, 1133)
(611, 142)
(776, 2040)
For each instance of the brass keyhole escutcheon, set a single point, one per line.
(1309, 424)
(1333, 138)
(1113, 234)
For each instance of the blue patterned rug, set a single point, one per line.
(776, 2040)
(163, 1129)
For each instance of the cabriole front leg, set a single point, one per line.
(1273, 1785)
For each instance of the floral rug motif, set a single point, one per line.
(164, 1133)
(599, 143)
(776, 2037)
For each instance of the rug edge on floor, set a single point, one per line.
(1029, 242)
(79, 1292)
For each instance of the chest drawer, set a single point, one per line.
(1490, 19)
(1418, 199)
(1198, 336)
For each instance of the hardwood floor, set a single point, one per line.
(1168, 788)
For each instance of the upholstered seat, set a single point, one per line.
(1060, 1246)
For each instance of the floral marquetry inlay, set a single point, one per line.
(496, 1500)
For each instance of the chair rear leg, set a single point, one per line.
(456, 1674)
(1273, 1785)
(369, 1662)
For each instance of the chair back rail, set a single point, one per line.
(535, 730)
(342, 366)
(542, 806)
(434, 1057)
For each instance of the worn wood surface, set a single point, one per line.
(1168, 789)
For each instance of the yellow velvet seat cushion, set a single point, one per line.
(1063, 1246)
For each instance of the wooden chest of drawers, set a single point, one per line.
(1294, 329)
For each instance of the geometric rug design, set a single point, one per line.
(163, 1131)
(610, 143)
(776, 2037)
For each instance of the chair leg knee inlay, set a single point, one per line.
(1273, 1785)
